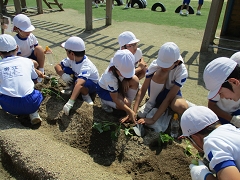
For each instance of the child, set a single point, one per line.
(185, 3)
(127, 40)
(110, 88)
(28, 43)
(220, 144)
(17, 94)
(227, 110)
(128, 4)
(164, 78)
(77, 69)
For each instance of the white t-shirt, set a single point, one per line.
(226, 105)
(222, 147)
(16, 75)
(177, 75)
(108, 81)
(26, 45)
(84, 69)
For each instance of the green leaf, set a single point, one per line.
(98, 126)
(127, 132)
(165, 138)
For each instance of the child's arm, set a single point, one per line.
(141, 93)
(141, 66)
(162, 108)
(120, 104)
(219, 112)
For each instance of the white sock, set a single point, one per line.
(131, 94)
(155, 89)
(41, 69)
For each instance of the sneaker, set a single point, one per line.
(198, 13)
(143, 111)
(106, 108)
(181, 13)
(88, 99)
(35, 118)
(130, 6)
(187, 13)
(96, 5)
(126, 7)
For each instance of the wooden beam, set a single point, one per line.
(17, 5)
(88, 15)
(212, 22)
(108, 12)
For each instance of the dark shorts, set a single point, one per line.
(200, 2)
(186, 2)
(92, 86)
(32, 56)
(162, 95)
(21, 105)
(103, 93)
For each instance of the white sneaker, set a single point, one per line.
(198, 13)
(126, 7)
(181, 13)
(106, 108)
(88, 99)
(187, 12)
(143, 111)
(96, 5)
(35, 118)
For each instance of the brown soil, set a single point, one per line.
(141, 158)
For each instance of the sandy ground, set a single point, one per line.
(101, 43)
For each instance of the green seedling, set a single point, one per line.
(103, 126)
(46, 91)
(165, 138)
(127, 132)
(188, 148)
(54, 82)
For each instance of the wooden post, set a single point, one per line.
(212, 22)
(108, 12)
(17, 5)
(39, 6)
(88, 14)
(1, 6)
(23, 4)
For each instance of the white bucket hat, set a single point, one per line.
(195, 119)
(216, 73)
(236, 57)
(7, 43)
(168, 54)
(23, 22)
(127, 37)
(124, 61)
(74, 44)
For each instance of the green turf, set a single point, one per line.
(146, 15)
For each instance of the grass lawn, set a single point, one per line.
(145, 15)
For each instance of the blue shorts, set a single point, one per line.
(224, 121)
(21, 105)
(200, 2)
(103, 93)
(162, 95)
(92, 86)
(186, 2)
(32, 56)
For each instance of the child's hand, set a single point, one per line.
(39, 73)
(67, 78)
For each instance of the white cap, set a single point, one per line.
(124, 61)
(216, 73)
(168, 54)
(236, 57)
(7, 43)
(23, 22)
(196, 118)
(127, 37)
(74, 44)
(138, 55)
